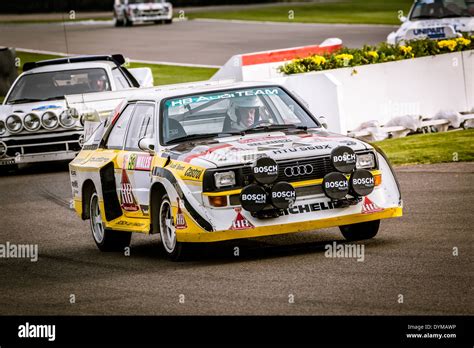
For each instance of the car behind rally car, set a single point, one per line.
(129, 12)
(210, 163)
(435, 19)
(36, 126)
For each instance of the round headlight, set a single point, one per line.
(3, 129)
(49, 120)
(66, 119)
(32, 122)
(14, 124)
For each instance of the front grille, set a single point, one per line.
(321, 166)
(151, 12)
(29, 146)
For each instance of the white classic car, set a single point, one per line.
(36, 125)
(128, 12)
(207, 163)
(435, 19)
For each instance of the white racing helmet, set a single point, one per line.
(240, 103)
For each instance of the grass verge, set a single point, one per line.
(346, 11)
(162, 74)
(430, 148)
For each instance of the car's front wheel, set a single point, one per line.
(118, 22)
(175, 250)
(106, 240)
(360, 231)
(127, 22)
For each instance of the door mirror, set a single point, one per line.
(147, 145)
(403, 19)
(144, 76)
(323, 121)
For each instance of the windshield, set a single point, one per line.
(231, 112)
(436, 9)
(57, 84)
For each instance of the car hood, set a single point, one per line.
(461, 24)
(147, 6)
(56, 106)
(238, 150)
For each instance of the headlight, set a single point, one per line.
(49, 120)
(14, 124)
(66, 119)
(32, 122)
(3, 129)
(365, 160)
(224, 179)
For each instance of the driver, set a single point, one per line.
(98, 82)
(244, 112)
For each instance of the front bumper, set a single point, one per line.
(151, 18)
(44, 147)
(195, 234)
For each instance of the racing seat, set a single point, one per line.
(175, 129)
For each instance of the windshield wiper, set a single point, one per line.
(273, 127)
(56, 97)
(454, 16)
(32, 100)
(24, 100)
(201, 136)
(424, 17)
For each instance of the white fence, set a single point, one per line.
(349, 97)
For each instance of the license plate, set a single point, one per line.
(7, 162)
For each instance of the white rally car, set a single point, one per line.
(36, 125)
(435, 19)
(128, 12)
(210, 163)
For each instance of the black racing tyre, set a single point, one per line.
(360, 231)
(169, 21)
(119, 22)
(127, 22)
(105, 239)
(175, 251)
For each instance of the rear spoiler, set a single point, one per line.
(118, 59)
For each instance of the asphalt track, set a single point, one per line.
(207, 42)
(411, 256)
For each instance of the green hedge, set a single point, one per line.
(349, 57)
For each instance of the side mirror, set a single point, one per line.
(147, 145)
(403, 19)
(323, 121)
(144, 76)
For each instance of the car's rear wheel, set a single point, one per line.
(360, 231)
(175, 250)
(169, 21)
(105, 239)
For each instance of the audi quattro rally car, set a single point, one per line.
(435, 19)
(36, 126)
(205, 164)
(128, 12)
